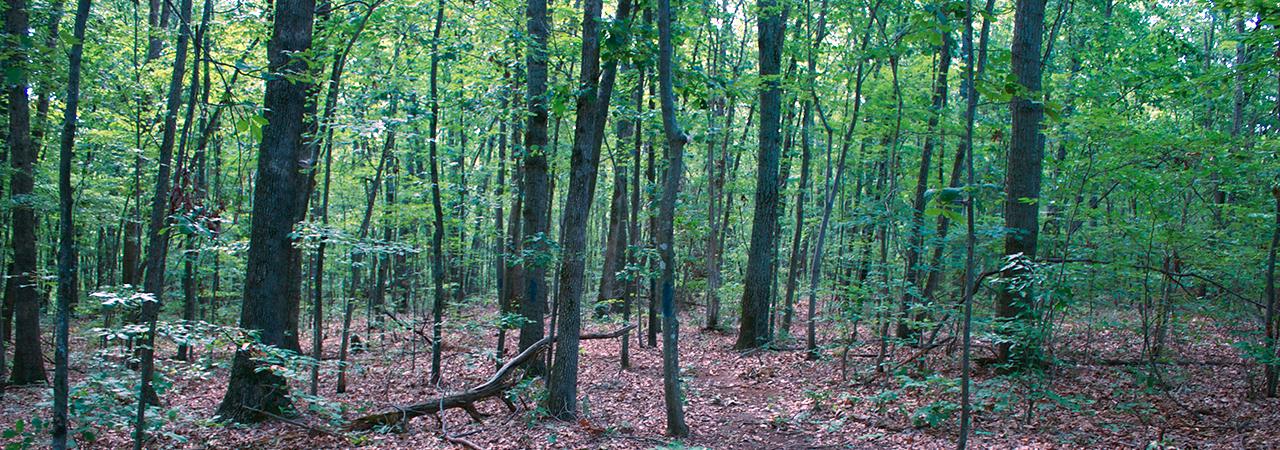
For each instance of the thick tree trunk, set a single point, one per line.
(1025, 157)
(273, 278)
(753, 329)
(28, 359)
(536, 208)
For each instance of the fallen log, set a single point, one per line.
(466, 400)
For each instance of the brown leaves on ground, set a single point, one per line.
(1101, 396)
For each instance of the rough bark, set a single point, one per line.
(536, 207)
(273, 277)
(753, 329)
(22, 295)
(67, 257)
(1025, 156)
(675, 139)
(592, 112)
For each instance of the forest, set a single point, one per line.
(640, 224)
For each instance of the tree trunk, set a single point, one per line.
(184, 175)
(437, 236)
(1025, 157)
(753, 329)
(273, 279)
(797, 231)
(913, 297)
(615, 248)
(67, 281)
(157, 238)
(676, 139)
(28, 359)
(536, 208)
(971, 108)
(588, 134)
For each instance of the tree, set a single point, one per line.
(675, 139)
(588, 136)
(1024, 160)
(537, 201)
(437, 234)
(21, 289)
(67, 257)
(913, 296)
(273, 281)
(970, 112)
(753, 330)
(157, 236)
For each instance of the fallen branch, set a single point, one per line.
(466, 400)
(296, 423)
(610, 335)
(906, 361)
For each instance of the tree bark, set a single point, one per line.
(273, 280)
(437, 235)
(157, 238)
(536, 208)
(22, 294)
(913, 297)
(592, 112)
(67, 258)
(676, 139)
(753, 330)
(615, 248)
(1025, 158)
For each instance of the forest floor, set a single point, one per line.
(1101, 396)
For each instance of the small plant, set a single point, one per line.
(934, 414)
(24, 436)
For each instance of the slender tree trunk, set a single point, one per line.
(67, 281)
(971, 108)
(675, 139)
(185, 176)
(157, 238)
(815, 266)
(797, 232)
(273, 279)
(913, 297)
(615, 248)
(437, 236)
(1025, 157)
(717, 206)
(753, 329)
(1271, 300)
(22, 293)
(592, 112)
